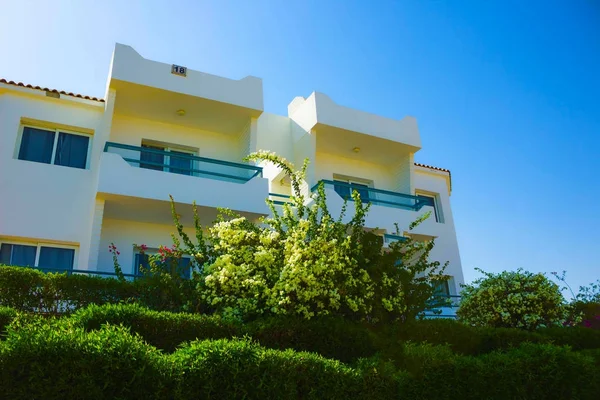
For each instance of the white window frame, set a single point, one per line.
(169, 147)
(39, 244)
(57, 132)
(439, 215)
(351, 179)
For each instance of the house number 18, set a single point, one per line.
(179, 70)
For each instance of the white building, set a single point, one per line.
(77, 173)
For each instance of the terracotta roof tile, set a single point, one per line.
(50, 90)
(432, 167)
(437, 169)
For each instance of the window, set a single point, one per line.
(163, 158)
(441, 288)
(345, 187)
(54, 147)
(431, 201)
(42, 256)
(144, 261)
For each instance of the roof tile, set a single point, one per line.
(21, 84)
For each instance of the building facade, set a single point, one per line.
(79, 173)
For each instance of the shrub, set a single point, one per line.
(23, 288)
(30, 290)
(578, 338)
(531, 371)
(305, 262)
(7, 315)
(328, 336)
(59, 361)
(164, 330)
(461, 338)
(517, 299)
(231, 369)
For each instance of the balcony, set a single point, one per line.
(183, 163)
(153, 174)
(387, 208)
(374, 196)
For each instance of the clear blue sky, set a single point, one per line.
(507, 95)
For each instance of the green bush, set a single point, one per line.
(30, 290)
(531, 371)
(54, 358)
(578, 338)
(518, 299)
(232, 369)
(461, 338)
(164, 330)
(23, 288)
(59, 361)
(329, 336)
(7, 315)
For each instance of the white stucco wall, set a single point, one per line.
(132, 131)
(328, 164)
(43, 201)
(320, 109)
(129, 66)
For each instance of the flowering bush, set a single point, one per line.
(304, 262)
(518, 299)
(585, 303)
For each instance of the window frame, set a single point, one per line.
(57, 132)
(437, 210)
(149, 252)
(359, 181)
(168, 148)
(38, 247)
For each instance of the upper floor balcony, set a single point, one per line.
(320, 113)
(147, 172)
(177, 95)
(387, 209)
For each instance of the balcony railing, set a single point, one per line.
(177, 162)
(374, 196)
(279, 199)
(388, 238)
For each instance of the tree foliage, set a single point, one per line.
(303, 261)
(516, 299)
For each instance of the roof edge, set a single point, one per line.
(25, 85)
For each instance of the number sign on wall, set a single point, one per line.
(179, 70)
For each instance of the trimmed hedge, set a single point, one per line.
(164, 330)
(228, 369)
(31, 290)
(468, 340)
(7, 315)
(55, 359)
(530, 371)
(331, 337)
(334, 338)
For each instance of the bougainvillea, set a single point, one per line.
(515, 299)
(302, 261)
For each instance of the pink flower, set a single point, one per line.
(587, 323)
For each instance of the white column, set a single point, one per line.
(96, 234)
